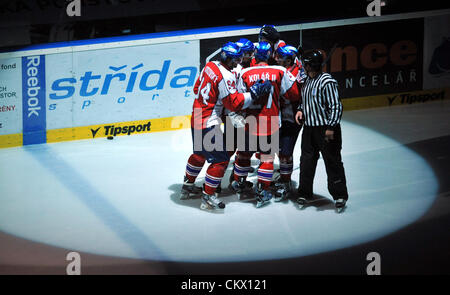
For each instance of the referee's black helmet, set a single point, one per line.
(314, 59)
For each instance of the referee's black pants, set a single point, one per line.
(313, 142)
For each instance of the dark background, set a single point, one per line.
(383, 33)
(422, 248)
(26, 22)
(208, 46)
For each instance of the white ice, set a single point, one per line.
(121, 197)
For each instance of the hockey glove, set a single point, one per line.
(237, 120)
(259, 90)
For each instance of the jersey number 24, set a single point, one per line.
(204, 91)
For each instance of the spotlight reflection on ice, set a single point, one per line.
(121, 199)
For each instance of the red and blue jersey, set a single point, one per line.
(268, 111)
(215, 89)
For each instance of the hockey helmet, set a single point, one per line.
(314, 59)
(270, 33)
(246, 45)
(287, 51)
(263, 51)
(230, 50)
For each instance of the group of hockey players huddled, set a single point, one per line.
(262, 82)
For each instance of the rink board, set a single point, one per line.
(180, 122)
(89, 88)
(118, 129)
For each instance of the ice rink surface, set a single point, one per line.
(120, 198)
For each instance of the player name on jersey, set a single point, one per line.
(264, 76)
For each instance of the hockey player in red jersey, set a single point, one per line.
(215, 89)
(269, 34)
(262, 135)
(236, 120)
(248, 49)
(289, 131)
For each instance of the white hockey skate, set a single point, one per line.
(188, 189)
(263, 196)
(210, 202)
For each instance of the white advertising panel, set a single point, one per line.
(121, 84)
(10, 96)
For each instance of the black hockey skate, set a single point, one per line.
(304, 201)
(240, 187)
(281, 190)
(188, 189)
(340, 205)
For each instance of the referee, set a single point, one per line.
(320, 111)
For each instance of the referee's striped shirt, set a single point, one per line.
(321, 105)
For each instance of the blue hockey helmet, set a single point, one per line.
(263, 51)
(230, 50)
(287, 51)
(246, 45)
